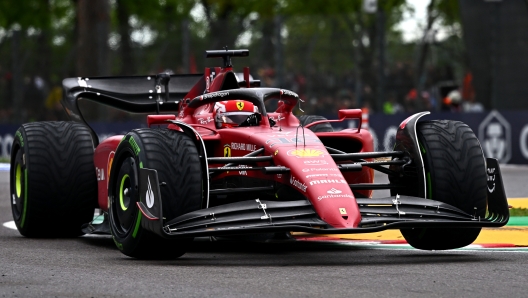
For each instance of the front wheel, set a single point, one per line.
(455, 172)
(174, 156)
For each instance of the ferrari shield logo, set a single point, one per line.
(227, 151)
(240, 105)
(342, 211)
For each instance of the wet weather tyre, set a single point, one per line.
(53, 181)
(175, 158)
(455, 174)
(323, 127)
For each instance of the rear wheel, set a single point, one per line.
(455, 174)
(53, 181)
(175, 157)
(323, 127)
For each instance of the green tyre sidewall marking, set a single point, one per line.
(138, 220)
(138, 224)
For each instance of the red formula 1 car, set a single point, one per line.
(215, 162)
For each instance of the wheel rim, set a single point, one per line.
(124, 195)
(18, 180)
(124, 210)
(17, 187)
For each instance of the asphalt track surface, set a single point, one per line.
(93, 267)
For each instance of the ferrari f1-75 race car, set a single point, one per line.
(213, 161)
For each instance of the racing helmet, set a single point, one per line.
(232, 112)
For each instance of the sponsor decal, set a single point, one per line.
(319, 198)
(280, 134)
(180, 115)
(150, 195)
(227, 150)
(298, 184)
(495, 137)
(205, 121)
(207, 83)
(324, 175)
(134, 145)
(6, 142)
(274, 140)
(491, 179)
(243, 173)
(327, 181)
(333, 191)
(288, 92)
(240, 105)
(306, 153)
(315, 162)
(100, 174)
(237, 167)
(279, 118)
(342, 211)
(319, 169)
(213, 95)
(524, 141)
(243, 146)
(276, 152)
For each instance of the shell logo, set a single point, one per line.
(304, 153)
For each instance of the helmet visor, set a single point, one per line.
(233, 118)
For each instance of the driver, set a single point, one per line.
(231, 113)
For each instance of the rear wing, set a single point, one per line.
(134, 94)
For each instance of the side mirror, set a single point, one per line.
(349, 114)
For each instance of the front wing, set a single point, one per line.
(256, 216)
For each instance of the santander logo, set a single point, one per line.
(334, 191)
(298, 184)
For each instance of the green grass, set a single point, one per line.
(2, 159)
(519, 212)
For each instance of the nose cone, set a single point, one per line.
(314, 173)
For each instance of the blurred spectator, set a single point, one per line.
(454, 101)
(391, 106)
(410, 101)
(468, 95)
